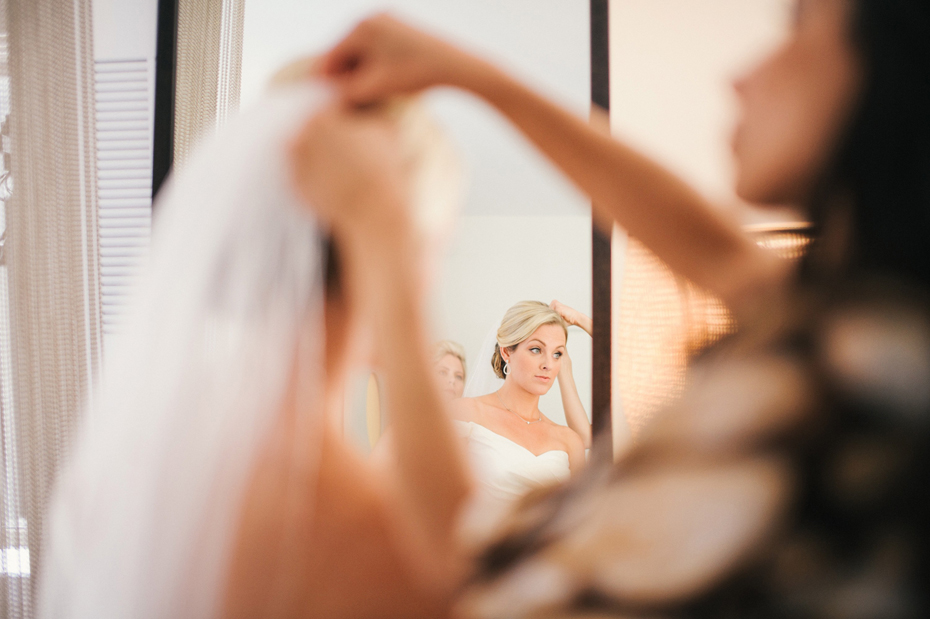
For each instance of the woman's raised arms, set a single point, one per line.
(383, 56)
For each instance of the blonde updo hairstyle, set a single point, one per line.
(519, 323)
(448, 347)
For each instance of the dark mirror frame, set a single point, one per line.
(600, 250)
(165, 71)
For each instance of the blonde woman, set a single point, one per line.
(512, 445)
(449, 368)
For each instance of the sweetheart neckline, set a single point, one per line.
(510, 440)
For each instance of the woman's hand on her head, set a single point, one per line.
(572, 316)
(383, 57)
(346, 167)
(566, 364)
(567, 313)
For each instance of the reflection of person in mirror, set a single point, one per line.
(512, 445)
(789, 481)
(449, 366)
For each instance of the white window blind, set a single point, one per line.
(125, 33)
(124, 114)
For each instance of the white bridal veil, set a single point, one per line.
(481, 377)
(142, 521)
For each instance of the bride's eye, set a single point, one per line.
(558, 355)
(535, 350)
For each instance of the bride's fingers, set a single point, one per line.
(357, 64)
(563, 310)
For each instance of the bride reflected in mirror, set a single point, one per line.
(513, 447)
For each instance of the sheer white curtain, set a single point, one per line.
(209, 66)
(49, 294)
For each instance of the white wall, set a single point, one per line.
(672, 64)
(543, 41)
(125, 29)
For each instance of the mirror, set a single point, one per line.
(524, 233)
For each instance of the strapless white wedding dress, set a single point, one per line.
(505, 470)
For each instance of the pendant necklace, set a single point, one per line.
(537, 420)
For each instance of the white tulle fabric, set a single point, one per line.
(481, 377)
(141, 522)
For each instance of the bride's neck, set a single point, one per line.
(519, 400)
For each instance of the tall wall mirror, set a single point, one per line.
(524, 233)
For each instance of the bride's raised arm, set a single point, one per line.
(346, 166)
(575, 415)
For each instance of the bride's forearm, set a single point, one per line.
(431, 472)
(575, 415)
(586, 324)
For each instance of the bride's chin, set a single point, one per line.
(538, 389)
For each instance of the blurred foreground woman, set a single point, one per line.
(790, 480)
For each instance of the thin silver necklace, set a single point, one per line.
(537, 420)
